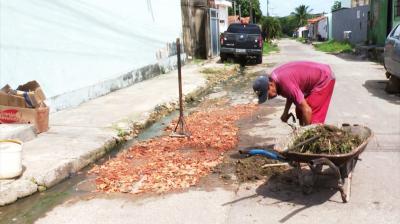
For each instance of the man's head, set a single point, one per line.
(265, 88)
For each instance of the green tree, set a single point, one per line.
(288, 25)
(337, 5)
(301, 14)
(245, 9)
(271, 27)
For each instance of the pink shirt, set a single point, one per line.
(296, 80)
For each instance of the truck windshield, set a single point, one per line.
(244, 28)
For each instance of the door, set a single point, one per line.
(214, 32)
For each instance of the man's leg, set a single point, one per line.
(319, 103)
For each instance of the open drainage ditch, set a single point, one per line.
(78, 186)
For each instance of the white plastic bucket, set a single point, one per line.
(10, 158)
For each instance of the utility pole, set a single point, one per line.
(234, 9)
(267, 7)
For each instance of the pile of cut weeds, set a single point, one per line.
(248, 169)
(332, 140)
(251, 168)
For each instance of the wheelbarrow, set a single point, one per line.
(342, 165)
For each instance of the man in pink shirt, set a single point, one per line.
(309, 85)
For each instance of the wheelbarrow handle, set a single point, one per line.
(264, 152)
(291, 115)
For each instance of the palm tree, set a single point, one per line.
(271, 27)
(301, 14)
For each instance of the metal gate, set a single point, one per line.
(214, 32)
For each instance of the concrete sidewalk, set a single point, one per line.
(81, 135)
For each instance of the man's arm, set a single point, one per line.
(306, 112)
(285, 115)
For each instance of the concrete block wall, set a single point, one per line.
(353, 19)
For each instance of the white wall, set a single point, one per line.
(223, 15)
(300, 31)
(69, 45)
(323, 28)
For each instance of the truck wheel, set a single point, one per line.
(242, 61)
(222, 57)
(393, 85)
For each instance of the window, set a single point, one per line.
(244, 28)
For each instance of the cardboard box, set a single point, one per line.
(28, 95)
(24, 105)
(33, 91)
(37, 116)
(12, 100)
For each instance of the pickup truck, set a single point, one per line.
(242, 40)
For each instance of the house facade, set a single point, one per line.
(302, 32)
(318, 28)
(354, 3)
(200, 28)
(353, 22)
(322, 29)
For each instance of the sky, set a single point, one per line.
(285, 7)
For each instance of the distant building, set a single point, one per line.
(318, 28)
(350, 24)
(302, 32)
(354, 3)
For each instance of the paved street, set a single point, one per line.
(359, 98)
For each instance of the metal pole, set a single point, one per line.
(240, 11)
(267, 7)
(178, 51)
(182, 132)
(234, 9)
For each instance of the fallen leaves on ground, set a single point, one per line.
(165, 163)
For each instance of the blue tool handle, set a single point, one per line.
(28, 100)
(266, 153)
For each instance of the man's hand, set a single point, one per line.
(285, 117)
